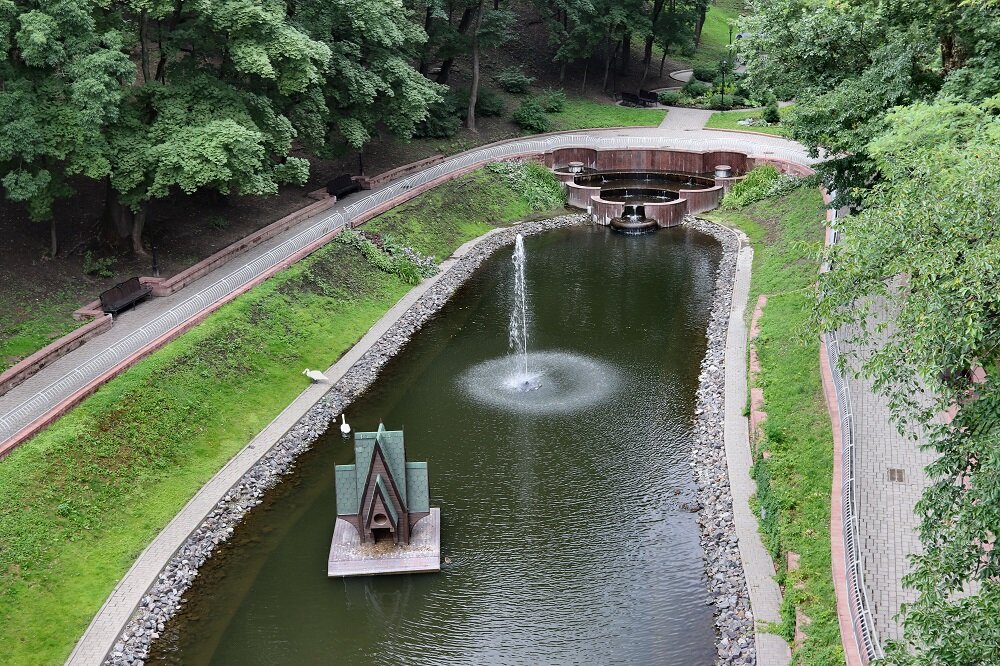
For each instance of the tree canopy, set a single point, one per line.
(902, 100)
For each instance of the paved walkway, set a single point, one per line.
(889, 473)
(765, 596)
(682, 119)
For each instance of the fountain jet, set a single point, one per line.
(518, 329)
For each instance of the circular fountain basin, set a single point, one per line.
(643, 186)
(631, 226)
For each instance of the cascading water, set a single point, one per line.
(518, 329)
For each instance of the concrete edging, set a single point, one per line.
(765, 595)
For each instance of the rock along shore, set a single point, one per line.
(727, 584)
(727, 587)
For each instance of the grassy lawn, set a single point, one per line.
(27, 324)
(715, 33)
(584, 114)
(794, 462)
(81, 500)
(730, 120)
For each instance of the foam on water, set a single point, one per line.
(558, 382)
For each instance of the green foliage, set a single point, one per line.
(97, 266)
(695, 88)
(442, 120)
(925, 244)
(755, 186)
(536, 184)
(706, 74)
(530, 116)
(400, 265)
(513, 80)
(489, 103)
(552, 101)
(671, 97)
(770, 115)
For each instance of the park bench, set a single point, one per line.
(631, 99)
(124, 294)
(342, 185)
(649, 97)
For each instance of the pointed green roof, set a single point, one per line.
(410, 477)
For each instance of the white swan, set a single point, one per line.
(345, 429)
(315, 375)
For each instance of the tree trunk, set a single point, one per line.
(470, 118)
(586, 68)
(626, 52)
(138, 222)
(663, 61)
(699, 24)
(463, 27)
(647, 55)
(425, 51)
(144, 50)
(52, 237)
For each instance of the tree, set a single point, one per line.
(210, 115)
(370, 80)
(926, 244)
(63, 78)
(493, 27)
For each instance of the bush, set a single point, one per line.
(552, 101)
(531, 116)
(488, 103)
(757, 185)
(672, 97)
(771, 114)
(513, 80)
(442, 119)
(540, 188)
(706, 74)
(100, 267)
(694, 88)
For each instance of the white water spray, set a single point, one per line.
(518, 330)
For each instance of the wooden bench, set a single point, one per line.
(649, 97)
(630, 99)
(342, 185)
(123, 295)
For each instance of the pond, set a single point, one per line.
(561, 507)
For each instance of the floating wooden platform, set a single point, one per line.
(350, 557)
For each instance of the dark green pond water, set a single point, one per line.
(560, 508)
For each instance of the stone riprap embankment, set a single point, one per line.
(726, 579)
(160, 603)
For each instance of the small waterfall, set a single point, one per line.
(518, 330)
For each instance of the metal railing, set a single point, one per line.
(862, 621)
(38, 404)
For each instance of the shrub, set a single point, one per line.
(672, 97)
(531, 116)
(706, 74)
(715, 101)
(757, 185)
(408, 265)
(694, 88)
(513, 80)
(488, 103)
(540, 188)
(771, 114)
(442, 119)
(552, 101)
(100, 267)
